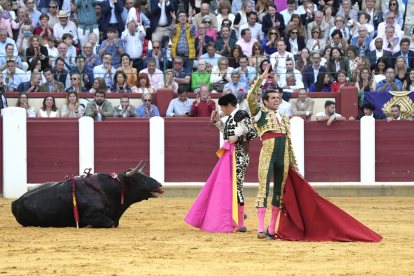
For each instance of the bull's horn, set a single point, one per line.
(143, 167)
(131, 173)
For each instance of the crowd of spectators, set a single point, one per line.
(140, 46)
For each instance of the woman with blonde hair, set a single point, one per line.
(241, 17)
(37, 50)
(72, 108)
(220, 75)
(99, 84)
(257, 55)
(402, 71)
(169, 81)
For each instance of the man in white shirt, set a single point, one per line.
(105, 70)
(329, 114)
(4, 40)
(254, 27)
(161, 18)
(181, 106)
(291, 72)
(133, 38)
(13, 76)
(278, 59)
(284, 106)
(65, 26)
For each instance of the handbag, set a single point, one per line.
(219, 86)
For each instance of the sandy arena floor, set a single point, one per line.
(153, 239)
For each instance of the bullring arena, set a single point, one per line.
(153, 239)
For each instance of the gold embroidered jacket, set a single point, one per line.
(265, 120)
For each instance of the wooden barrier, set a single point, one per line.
(121, 143)
(52, 149)
(332, 154)
(394, 151)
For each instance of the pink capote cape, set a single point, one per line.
(306, 216)
(215, 209)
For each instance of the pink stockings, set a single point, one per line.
(272, 225)
(261, 215)
(241, 216)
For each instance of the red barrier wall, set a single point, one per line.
(332, 153)
(52, 149)
(121, 143)
(190, 149)
(394, 151)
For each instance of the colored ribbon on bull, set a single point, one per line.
(75, 206)
(115, 176)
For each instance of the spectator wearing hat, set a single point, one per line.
(369, 109)
(65, 26)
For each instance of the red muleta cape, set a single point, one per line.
(306, 216)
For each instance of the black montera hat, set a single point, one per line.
(226, 99)
(370, 106)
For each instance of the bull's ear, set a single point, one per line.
(131, 173)
(143, 167)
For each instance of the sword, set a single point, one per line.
(211, 119)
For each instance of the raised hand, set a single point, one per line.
(198, 99)
(265, 74)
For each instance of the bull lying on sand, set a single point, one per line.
(98, 198)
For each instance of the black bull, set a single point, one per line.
(98, 198)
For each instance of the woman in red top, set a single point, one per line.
(337, 85)
(43, 30)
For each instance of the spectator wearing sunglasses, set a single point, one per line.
(147, 109)
(76, 84)
(389, 20)
(227, 23)
(394, 6)
(44, 5)
(53, 12)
